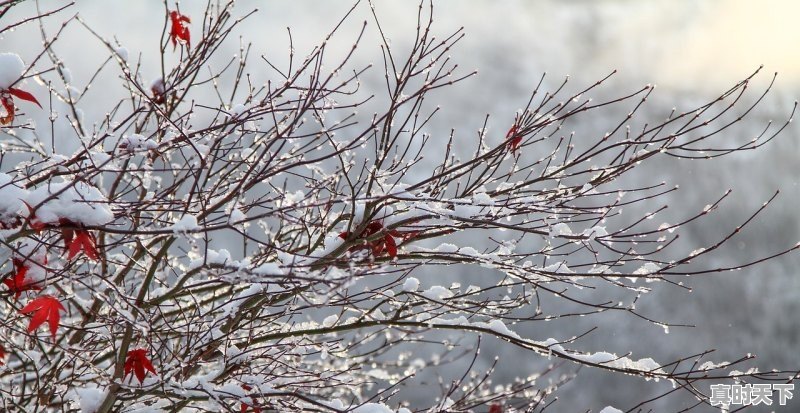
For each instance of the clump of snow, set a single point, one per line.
(560, 229)
(552, 345)
(610, 409)
(269, 268)
(76, 201)
(221, 256)
(90, 398)
(187, 222)
(236, 215)
(238, 110)
(594, 232)
(136, 142)
(11, 67)
(559, 267)
(329, 321)
(647, 268)
(158, 87)
(437, 292)
(448, 248)
(411, 284)
(375, 408)
(122, 53)
(11, 197)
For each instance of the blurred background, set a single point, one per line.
(692, 51)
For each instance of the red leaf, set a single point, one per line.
(496, 408)
(83, 241)
(16, 283)
(8, 104)
(2, 354)
(24, 96)
(34, 222)
(344, 234)
(179, 32)
(391, 246)
(45, 308)
(516, 139)
(245, 406)
(137, 362)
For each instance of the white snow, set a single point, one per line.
(330, 320)
(122, 53)
(157, 86)
(136, 142)
(187, 222)
(647, 268)
(373, 408)
(239, 109)
(560, 229)
(269, 268)
(594, 232)
(236, 215)
(90, 397)
(34, 256)
(11, 197)
(446, 247)
(411, 284)
(610, 409)
(11, 67)
(76, 201)
(437, 292)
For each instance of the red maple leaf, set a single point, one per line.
(179, 30)
(45, 308)
(495, 408)
(83, 241)
(377, 247)
(391, 246)
(137, 362)
(17, 283)
(7, 100)
(2, 354)
(34, 222)
(514, 138)
(245, 406)
(77, 240)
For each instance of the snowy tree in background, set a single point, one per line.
(270, 248)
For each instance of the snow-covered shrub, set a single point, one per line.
(220, 241)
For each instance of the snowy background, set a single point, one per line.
(692, 50)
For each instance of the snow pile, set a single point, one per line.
(498, 326)
(136, 142)
(560, 229)
(11, 68)
(647, 268)
(11, 197)
(437, 292)
(90, 398)
(411, 284)
(122, 53)
(612, 360)
(75, 201)
(187, 222)
(158, 87)
(235, 214)
(610, 409)
(269, 268)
